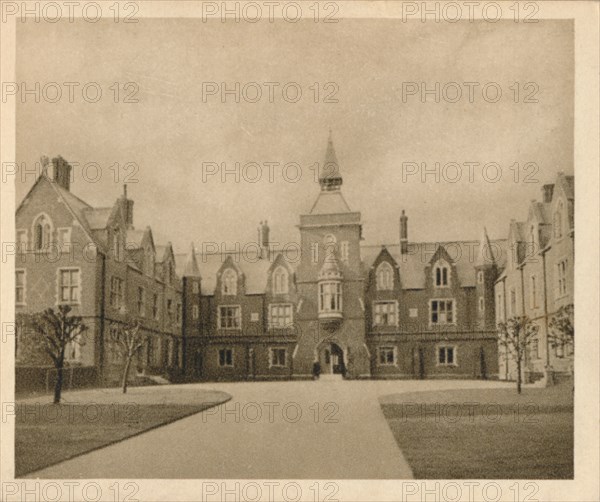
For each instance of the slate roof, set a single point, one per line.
(161, 253)
(412, 264)
(97, 218)
(330, 203)
(134, 238)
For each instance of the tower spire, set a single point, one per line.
(485, 256)
(330, 178)
(191, 266)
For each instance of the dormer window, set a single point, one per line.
(280, 281)
(229, 282)
(441, 274)
(42, 232)
(385, 277)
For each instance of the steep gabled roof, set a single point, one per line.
(76, 206)
(255, 271)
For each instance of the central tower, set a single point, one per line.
(330, 282)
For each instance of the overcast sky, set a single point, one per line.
(171, 132)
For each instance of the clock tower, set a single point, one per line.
(331, 318)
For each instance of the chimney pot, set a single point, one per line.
(263, 234)
(62, 172)
(547, 192)
(403, 233)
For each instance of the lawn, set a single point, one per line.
(46, 434)
(485, 433)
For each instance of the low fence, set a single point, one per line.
(43, 378)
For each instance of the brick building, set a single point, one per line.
(538, 278)
(403, 310)
(95, 260)
(400, 310)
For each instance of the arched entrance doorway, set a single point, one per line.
(331, 359)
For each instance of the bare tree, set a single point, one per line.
(561, 328)
(127, 341)
(515, 335)
(54, 332)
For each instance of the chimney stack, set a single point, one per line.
(127, 207)
(263, 238)
(403, 233)
(547, 192)
(62, 172)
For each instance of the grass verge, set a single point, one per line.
(48, 434)
(485, 433)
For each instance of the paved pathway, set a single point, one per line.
(308, 430)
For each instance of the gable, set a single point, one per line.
(43, 198)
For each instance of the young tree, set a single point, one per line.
(127, 341)
(54, 331)
(561, 328)
(515, 335)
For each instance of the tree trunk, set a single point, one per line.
(126, 375)
(518, 375)
(59, 381)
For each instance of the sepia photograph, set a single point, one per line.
(299, 250)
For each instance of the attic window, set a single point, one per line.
(229, 282)
(280, 281)
(385, 277)
(441, 274)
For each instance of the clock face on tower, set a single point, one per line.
(329, 243)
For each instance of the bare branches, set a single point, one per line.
(127, 340)
(515, 336)
(561, 329)
(53, 331)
